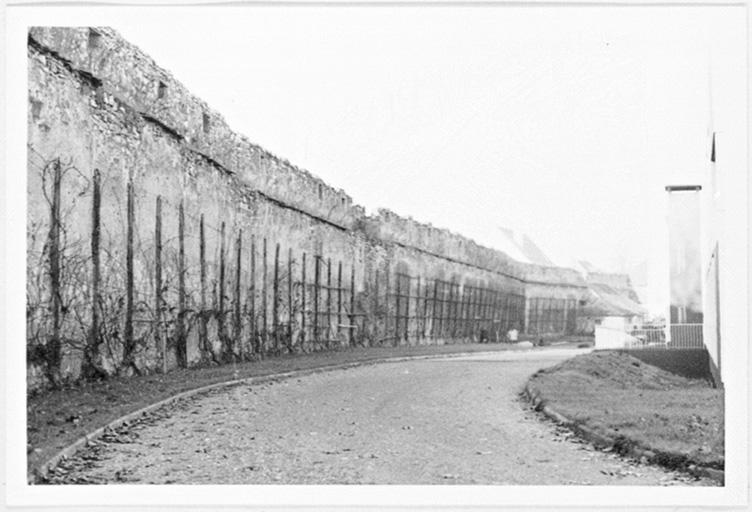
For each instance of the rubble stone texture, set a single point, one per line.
(97, 104)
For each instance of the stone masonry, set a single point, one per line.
(159, 238)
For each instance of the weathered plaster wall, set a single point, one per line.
(124, 72)
(113, 121)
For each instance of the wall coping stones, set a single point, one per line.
(100, 56)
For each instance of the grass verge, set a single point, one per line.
(638, 405)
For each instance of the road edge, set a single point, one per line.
(599, 440)
(38, 472)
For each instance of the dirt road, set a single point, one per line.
(444, 421)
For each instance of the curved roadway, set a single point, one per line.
(441, 421)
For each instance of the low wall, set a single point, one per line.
(690, 363)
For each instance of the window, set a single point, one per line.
(94, 39)
(161, 90)
(36, 109)
(206, 122)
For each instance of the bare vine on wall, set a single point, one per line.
(58, 277)
(122, 298)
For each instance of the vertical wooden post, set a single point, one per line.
(180, 327)
(502, 313)
(254, 331)
(290, 315)
(483, 308)
(471, 312)
(426, 288)
(500, 304)
(221, 316)
(445, 291)
(492, 315)
(129, 345)
(407, 308)
(459, 313)
(545, 316)
(54, 349)
(489, 311)
(316, 292)
(511, 312)
(451, 324)
(203, 334)
(463, 315)
(328, 302)
(275, 303)
(158, 283)
(448, 309)
(237, 334)
(352, 305)
(540, 315)
(451, 318)
(377, 316)
(339, 299)
(478, 298)
(477, 313)
(507, 313)
(303, 303)
(463, 310)
(434, 323)
(441, 328)
(398, 310)
(531, 306)
(494, 311)
(418, 331)
(387, 292)
(92, 347)
(446, 318)
(264, 308)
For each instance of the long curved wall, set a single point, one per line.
(157, 237)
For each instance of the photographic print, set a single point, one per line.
(365, 245)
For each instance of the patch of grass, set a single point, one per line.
(623, 445)
(639, 405)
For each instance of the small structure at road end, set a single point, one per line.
(611, 310)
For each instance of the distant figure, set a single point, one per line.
(483, 336)
(512, 335)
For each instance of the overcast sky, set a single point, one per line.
(562, 122)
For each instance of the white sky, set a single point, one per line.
(562, 122)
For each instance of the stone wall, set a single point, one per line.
(158, 238)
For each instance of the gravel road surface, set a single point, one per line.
(441, 421)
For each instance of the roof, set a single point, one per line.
(521, 247)
(604, 300)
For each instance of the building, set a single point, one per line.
(611, 303)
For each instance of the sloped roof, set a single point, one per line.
(521, 247)
(604, 300)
